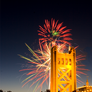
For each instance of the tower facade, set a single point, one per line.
(63, 70)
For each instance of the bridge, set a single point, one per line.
(63, 71)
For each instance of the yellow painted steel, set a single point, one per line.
(63, 70)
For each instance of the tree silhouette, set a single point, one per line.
(1, 90)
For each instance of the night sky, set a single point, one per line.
(19, 24)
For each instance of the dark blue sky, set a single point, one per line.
(19, 24)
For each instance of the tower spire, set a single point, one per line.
(87, 83)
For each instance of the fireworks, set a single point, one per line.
(53, 34)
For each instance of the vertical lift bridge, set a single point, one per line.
(63, 70)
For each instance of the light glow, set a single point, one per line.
(40, 66)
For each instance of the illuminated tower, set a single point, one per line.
(63, 70)
(87, 83)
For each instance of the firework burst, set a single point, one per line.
(40, 67)
(54, 32)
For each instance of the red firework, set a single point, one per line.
(54, 32)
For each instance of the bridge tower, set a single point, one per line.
(63, 70)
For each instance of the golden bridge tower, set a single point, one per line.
(63, 70)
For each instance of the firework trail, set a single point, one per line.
(40, 62)
(41, 66)
(54, 32)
